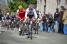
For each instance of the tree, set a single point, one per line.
(13, 5)
(31, 1)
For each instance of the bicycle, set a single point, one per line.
(30, 28)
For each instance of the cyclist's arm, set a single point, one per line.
(26, 14)
(35, 14)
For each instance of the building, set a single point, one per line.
(49, 6)
(4, 2)
(40, 5)
(4, 5)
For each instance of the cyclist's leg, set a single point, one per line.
(23, 28)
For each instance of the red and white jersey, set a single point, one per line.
(21, 14)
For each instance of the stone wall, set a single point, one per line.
(40, 5)
(51, 5)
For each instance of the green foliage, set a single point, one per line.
(13, 5)
(24, 5)
(31, 1)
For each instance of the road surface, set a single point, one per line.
(12, 37)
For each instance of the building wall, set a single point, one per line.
(4, 2)
(51, 5)
(4, 5)
(40, 6)
(62, 3)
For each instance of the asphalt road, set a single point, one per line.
(12, 37)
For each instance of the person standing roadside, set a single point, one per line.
(56, 20)
(1, 15)
(65, 21)
(44, 22)
(60, 19)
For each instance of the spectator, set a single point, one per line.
(40, 21)
(8, 16)
(1, 15)
(49, 23)
(41, 26)
(60, 19)
(56, 19)
(65, 21)
(37, 21)
(44, 22)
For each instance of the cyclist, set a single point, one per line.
(21, 17)
(31, 15)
